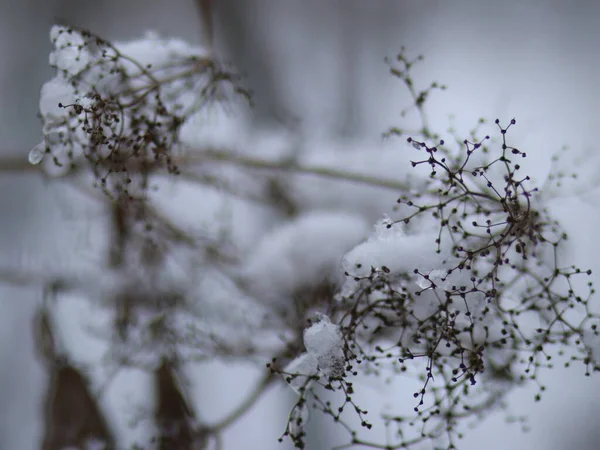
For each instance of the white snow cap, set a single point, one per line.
(322, 335)
(325, 353)
(89, 60)
(391, 247)
(401, 253)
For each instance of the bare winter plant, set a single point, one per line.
(463, 325)
(462, 288)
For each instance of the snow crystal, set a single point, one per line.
(299, 417)
(36, 154)
(332, 362)
(437, 278)
(322, 336)
(324, 344)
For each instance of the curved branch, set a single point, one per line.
(243, 408)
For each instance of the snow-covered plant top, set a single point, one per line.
(262, 251)
(121, 107)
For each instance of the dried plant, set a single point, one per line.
(463, 289)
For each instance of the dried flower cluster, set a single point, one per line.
(478, 305)
(120, 116)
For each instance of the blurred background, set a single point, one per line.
(317, 70)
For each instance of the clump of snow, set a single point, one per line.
(87, 65)
(67, 56)
(325, 341)
(410, 262)
(324, 353)
(390, 247)
(300, 253)
(76, 54)
(304, 366)
(322, 335)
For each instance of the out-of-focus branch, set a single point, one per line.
(292, 167)
(205, 10)
(17, 164)
(22, 278)
(243, 407)
(227, 158)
